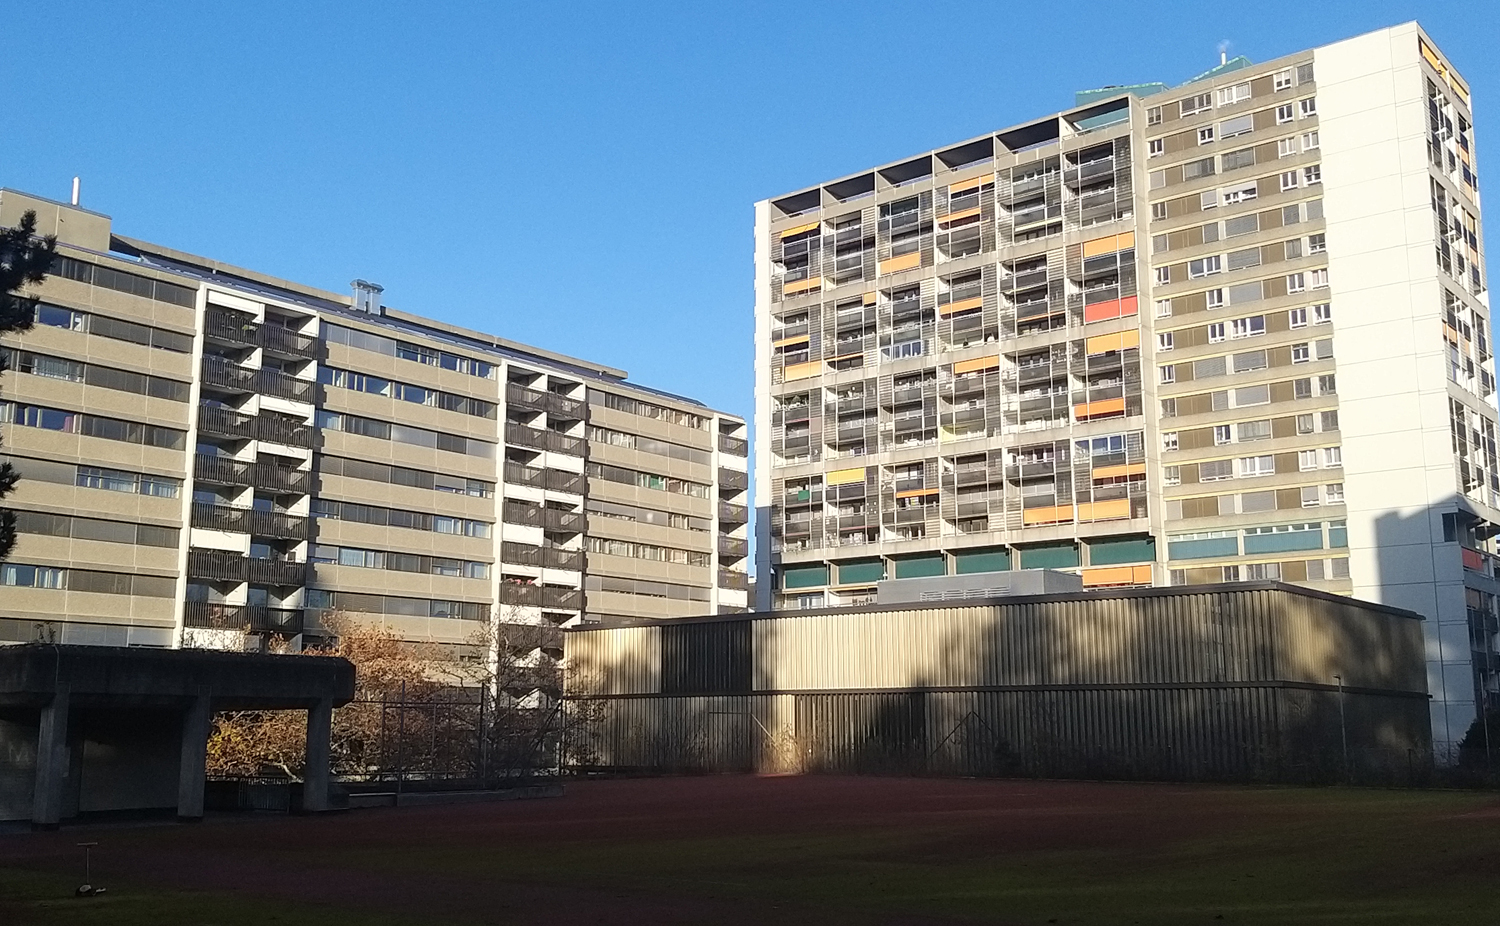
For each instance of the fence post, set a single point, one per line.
(484, 693)
(400, 743)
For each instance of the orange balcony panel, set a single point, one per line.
(1104, 511)
(959, 187)
(914, 493)
(870, 298)
(789, 342)
(1120, 340)
(1117, 575)
(975, 365)
(1115, 308)
(802, 286)
(802, 370)
(1472, 560)
(1057, 514)
(959, 216)
(843, 477)
(962, 305)
(904, 262)
(1108, 244)
(797, 230)
(1104, 408)
(1116, 472)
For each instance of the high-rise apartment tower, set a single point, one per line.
(207, 450)
(1231, 330)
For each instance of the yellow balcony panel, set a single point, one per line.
(1431, 56)
(802, 286)
(904, 262)
(798, 229)
(1120, 340)
(1120, 471)
(843, 477)
(976, 365)
(1100, 409)
(789, 342)
(1117, 575)
(1104, 511)
(962, 305)
(962, 214)
(802, 370)
(960, 187)
(914, 493)
(871, 298)
(1057, 514)
(1108, 244)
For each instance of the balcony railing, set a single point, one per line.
(226, 471)
(565, 599)
(543, 439)
(514, 512)
(287, 342)
(543, 400)
(733, 479)
(555, 479)
(731, 513)
(223, 422)
(226, 566)
(240, 328)
(521, 554)
(255, 618)
(733, 547)
(728, 578)
(734, 446)
(222, 373)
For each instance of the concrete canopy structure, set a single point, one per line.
(96, 729)
(1248, 681)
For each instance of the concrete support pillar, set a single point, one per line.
(51, 762)
(192, 772)
(315, 776)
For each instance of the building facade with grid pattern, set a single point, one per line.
(1231, 330)
(207, 451)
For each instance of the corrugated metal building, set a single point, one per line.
(1250, 681)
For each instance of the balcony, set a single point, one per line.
(975, 476)
(564, 599)
(230, 326)
(257, 619)
(249, 521)
(733, 547)
(226, 375)
(733, 480)
(222, 422)
(520, 554)
(566, 521)
(543, 439)
(734, 446)
(728, 578)
(730, 513)
(543, 401)
(519, 594)
(226, 566)
(556, 480)
(286, 342)
(281, 385)
(226, 471)
(558, 558)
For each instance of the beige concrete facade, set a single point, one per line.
(207, 449)
(1231, 330)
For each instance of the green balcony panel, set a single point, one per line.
(995, 559)
(920, 566)
(1113, 551)
(860, 571)
(1050, 556)
(811, 576)
(1203, 549)
(1283, 542)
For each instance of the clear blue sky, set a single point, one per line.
(578, 176)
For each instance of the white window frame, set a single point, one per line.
(1171, 475)
(1307, 107)
(1307, 460)
(1206, 135)
(1163, 276)
(1156, 147)
(1296, 282)
(1164, 340)
(1207, 265)
(1288, 180)
(1256, 467)
(1163, 308)
(1286, 147)
(1245, 327)
(1283, 80)
(1310, 141)
(1317, 244)
(1311, 174)
(1166, 374)
(1297, 318)
(1285, 113)
(1153, 115)
(1333, 457)
(1223, 434)
(1302, 353)
(1214, 298)
(1242, 194)
(1216, 333)
(1168, 441)
(1323, 313)
(1333, 493)
(1318, 278)
(1238, 93)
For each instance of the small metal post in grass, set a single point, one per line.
(87, 888)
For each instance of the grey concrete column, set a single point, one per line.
(315, 774)
(51, 762)
(191, 774)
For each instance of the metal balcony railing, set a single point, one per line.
(734, 514)
(254, 618)
(543, 439)
(566, 599)
(733, 547)
(223, 422)
(286, 342)
(225, 566)
(733, 479)
(728, 578)
(734, 446)
(222, 373)
(543, 400)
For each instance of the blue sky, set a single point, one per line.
(577, 176)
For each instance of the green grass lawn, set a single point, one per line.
(814, 850)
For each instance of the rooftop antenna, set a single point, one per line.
(75, 191)
(1223, 52)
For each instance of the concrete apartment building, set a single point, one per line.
(1231, 330)
(206, 449)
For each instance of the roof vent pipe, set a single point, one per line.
(367, 296)
(75, 191)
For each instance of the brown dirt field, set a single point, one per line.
(826, 850)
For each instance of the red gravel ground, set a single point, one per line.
(826, 850)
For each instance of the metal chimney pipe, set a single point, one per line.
(75, 191)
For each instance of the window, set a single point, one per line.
(1241, 225)
(1304, 73)
(1228, 96)
(1205, 135)
(1308, 107)
(1282, 80)
(1171, 475)
(1328, 384)
(1297, 318)
(1253, 430)
(1322, 314)
(1168, 373)
(1314, 210)
(1214, 298)
(1305, 424)
(1307, 460)
(1215, 470)
(1169, 440)
(1158, 211)
(1302, 388)
(1215, 332)
(1318, 279)
(1196, 104)
(1210, 232)
(1164, 340)
(1155, 147)
(1291, 215)
(1252, 395)
(1208, 199)
(1222, 434)
(1219, 400)
(1301, 353)
(1313, 173)
(1163, 275)
(1250, 360)
(1286, 147)
(1242, 259)
(1204, 266)
(1153, 115)
(1158, 243)
(1239, 125)
(1234, 160)
(1310, 141)
(1333, 456)
(1311, 497)
(1331, 420)
(1293, 249)
(1333, 493)
(1288, 180)
(1192, 170)
(1257, 466)
(1317, 244)
(1240, 194)
(1163, 308)
(1295, 283)
(1157, 179)
(1247, 327)
(1285, 113)
(1169, 408)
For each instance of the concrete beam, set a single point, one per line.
(192, 772)
(51, 761)
(315, 776)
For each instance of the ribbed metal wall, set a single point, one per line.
(1235, 682)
